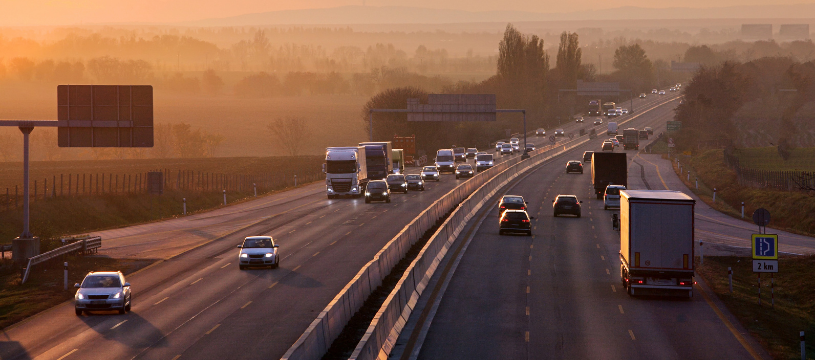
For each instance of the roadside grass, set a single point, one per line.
(59, 216)
(767, 158)
(791, 211)
(44, 288)
(776, 328)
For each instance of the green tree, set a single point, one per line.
(633, 68)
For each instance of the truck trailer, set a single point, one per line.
(657, 242)
(608, 168)
(594, 108)
(631, 139)
(398, 161)
(379, 159)
(345, 171)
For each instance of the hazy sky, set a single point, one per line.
(65, 12)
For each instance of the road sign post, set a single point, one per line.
(762, 217)
(764, 255)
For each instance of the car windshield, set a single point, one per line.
(459, 150)
(395, 177)
(513, 200)
(575, 163)
(341, 166)
(472, 150)
(515, 215)
(444, 158)
(102, 281)
(258, 243)
(514, 140)
(566, 200)
(613, 191)
(465, 167)
(413, 177)
(484, 157)
(429, 168)
(506, 146)
(378, 185)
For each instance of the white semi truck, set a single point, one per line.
(346, 171)
(657, 242)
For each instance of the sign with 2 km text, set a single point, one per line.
(764, 246)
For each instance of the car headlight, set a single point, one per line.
(367, 193)
(79, 296)
(384, 193)
(117, 295)
(269, 255)
(403, 185)
(471, 171)
(243, 255)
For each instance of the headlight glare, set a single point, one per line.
(117, 295)
(269, 255)
(80, 296)
(243, 255)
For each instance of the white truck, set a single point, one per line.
(398, 161)
(657, 242)
(346, 171)
(612, 128)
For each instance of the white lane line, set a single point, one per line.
(631, 334)
(296, 268)
(163, 299)
(69, 353)
(118, 324)
(613, 288)
(621, 309)
(607, 271)
(212, 329)
(272, 285)
(246, 304)
(197, 280)
(224, 266)
(602, 258)
(317, 253)
(308, 223)
(292, 231)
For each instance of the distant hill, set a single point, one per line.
(415, 15)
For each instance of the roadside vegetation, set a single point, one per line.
(776, 328)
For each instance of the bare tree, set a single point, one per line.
(289, 134)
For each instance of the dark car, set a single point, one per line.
(511, 202)
(588, 156)
(464, 170)
(575, 166)
(514, 221)
(643, 135)
(648, 130)
(460, 154)
(471, 153)
(397, 182)
(530, 147)
(620, 139)
(566, 204)
(377, 190)
(415, 182)
(607, 145)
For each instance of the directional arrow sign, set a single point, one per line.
(764, 246)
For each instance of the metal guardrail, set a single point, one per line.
(85, 245)
(381, 335)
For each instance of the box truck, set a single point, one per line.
(608, 168)
(345, 171)
(657, 242)
(398, 161)
(631, 140)
(379, 159)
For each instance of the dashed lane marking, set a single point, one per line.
(296, 268)
(118, 324)
(348, 233)
(224, 266)
(308, 223)
(272, 285)
(292, 231)
(602, 258)
(66, 355)
(333, 242)
(529, 272)
(527, 310)
(621, 309)
(613, 288)
(246, 304)
(212, 329)
(196, 281)
(631, 334)
(607, 271)
(321, 216)
(176, 357)
(528, 289)
(317, 253)
(526, 336)
(598, 246)
(163, 299)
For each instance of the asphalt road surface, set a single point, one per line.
(558, 295)
(197, 304)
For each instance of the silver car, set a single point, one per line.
(506, 149)
(498, 145)
(103, 290)
(258, 251)
(430, 173)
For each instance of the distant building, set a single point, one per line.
(756, 31)
(795, 31)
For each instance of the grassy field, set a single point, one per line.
(63, 215)
(777, 328)
(44, 288)
(334, 120)
(766, 158)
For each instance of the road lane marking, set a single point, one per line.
(69, 353)
(526, 336)
(197, 280)
(308, 223)
(212, 329)
(631, 334)
(272, 285)
(246, 304)
(530, 246)
(176, 357)
(333, 242)
(593, 227)
(163, 299)
(656, 170)
(602, 258)
(530, 258)
(292, 231)
(528, 289)
(598, 246)
(321, 216)
(317, 253)
(118, 324)
(527, 310)
(361, 224)
(224, 266)
(613, 288)
(607, 271)
(528, 272)
(296, 268)
(348, 233)
(729, 325)
(337, 210)
(621, 309)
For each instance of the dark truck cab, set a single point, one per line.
(608, 168)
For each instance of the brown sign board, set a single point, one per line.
(453, 107)
(597, 88)
(105, 115)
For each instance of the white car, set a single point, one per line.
(430, 173)
(506, 149)
(612, 197)
(102, 290)
(625, 111)
(483, 161)
(654, 91)
(498, 145)
(661, 92)
(258, 251)
(619, 111)
(598, 121)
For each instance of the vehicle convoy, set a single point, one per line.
(657, 242)
(102, 290)
(483, 162)
(445, 161)
(607, 169)
(377, 190)
(398, 161)
(258, 251)
(594, 108)
(345, 171)
(379, 159)
(612, 128)
(631, 139)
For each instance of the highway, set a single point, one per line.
(558, 294)
(197, 304)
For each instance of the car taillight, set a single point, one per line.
(504, 220)
(525, 220)
(640, 281)
(502, 206)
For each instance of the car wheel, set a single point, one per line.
(422, 188)
(500, 232)
(529, 233)
(579, 214)
(554, 214)
(78, 312)
(276, 265)
(121, 311)
(405, 191)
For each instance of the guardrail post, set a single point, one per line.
(184, 207)
(714, 193)
(294, 180)
(742, 209)
(696, 184)
(254, 189)
(65, 275)
(224, 197)
(730, 280)
(687, 175)
(802, 345)
(701, 253)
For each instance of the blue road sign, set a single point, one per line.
(764, 246)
